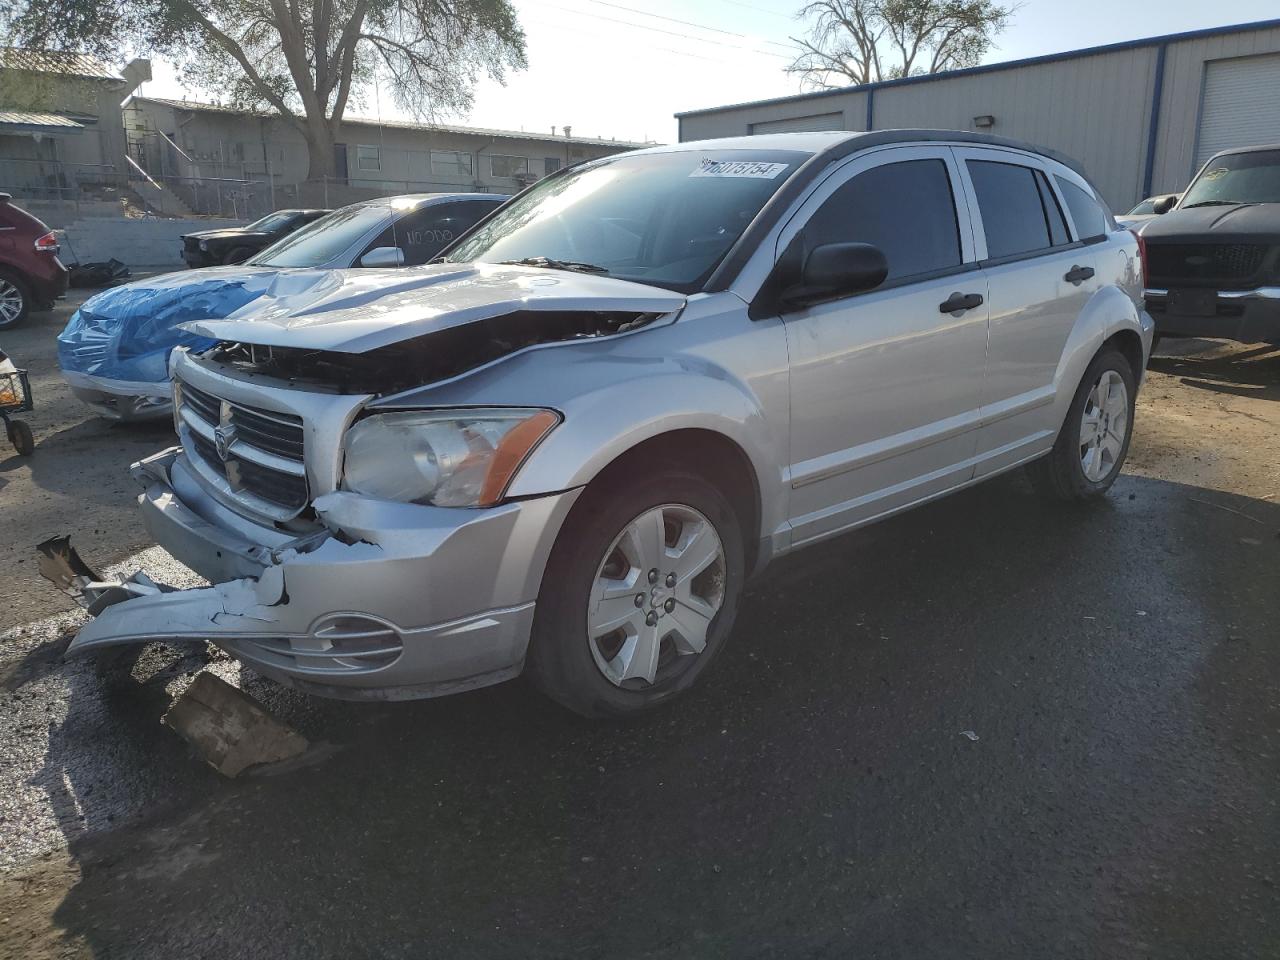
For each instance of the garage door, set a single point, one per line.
(1241, 104)
(819, 121)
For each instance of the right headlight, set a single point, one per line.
(448, 458)
(204, 245)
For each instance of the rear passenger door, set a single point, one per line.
(1039, 278)
(885, 385)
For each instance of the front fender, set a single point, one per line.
(602, 424)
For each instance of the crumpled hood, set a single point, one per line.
(351, 311)
(1245, 221)
(125, 333)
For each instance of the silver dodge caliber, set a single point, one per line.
(562, 448)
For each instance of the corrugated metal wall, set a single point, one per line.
(1094, 107)
(738, 121)
(1180, 104)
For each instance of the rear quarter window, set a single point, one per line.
(1090, 219)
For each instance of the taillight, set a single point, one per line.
(47, 244)
(1142, 256)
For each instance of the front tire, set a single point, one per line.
(15, 301)
(639, 594)
(1094, 440)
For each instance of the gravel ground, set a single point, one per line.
(988, 728)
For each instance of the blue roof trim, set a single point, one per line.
(992, 67)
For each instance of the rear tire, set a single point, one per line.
(15, 300)
(674, 607)
(1094, 440)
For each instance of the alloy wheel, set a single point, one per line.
(1104, 425)
(10, 302)
(655, 595)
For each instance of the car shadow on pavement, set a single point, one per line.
(1254, 372)
(987, 727)
(62, 458)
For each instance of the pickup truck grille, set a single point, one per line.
(259, 453)
(1199, 264)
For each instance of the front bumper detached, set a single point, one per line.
(385, 601)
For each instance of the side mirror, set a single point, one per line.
(837, 270)
(383, 257)
(1163, 205)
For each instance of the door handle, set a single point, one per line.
(1078, 275)
(960, 302)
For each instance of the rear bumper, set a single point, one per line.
(386, 601)
(1248, 316)
(49, 282)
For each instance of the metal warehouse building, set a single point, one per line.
(1141, 116)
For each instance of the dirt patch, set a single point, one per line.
(27, 904)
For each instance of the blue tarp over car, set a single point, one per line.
(126, 333)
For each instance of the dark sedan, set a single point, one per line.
(209, 248)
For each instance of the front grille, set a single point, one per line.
(1171, 264)
(262, 456)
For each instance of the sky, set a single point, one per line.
(622, 68)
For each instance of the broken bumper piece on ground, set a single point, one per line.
(383, 601)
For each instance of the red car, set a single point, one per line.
(31, 275)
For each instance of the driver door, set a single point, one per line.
(886, 385)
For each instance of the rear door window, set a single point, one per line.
(1090, 219)
(1013, 213)
(906, 209)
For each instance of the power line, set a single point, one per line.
(669, 33)
(752, 6)
(687, 23)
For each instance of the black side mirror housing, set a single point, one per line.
(834, 270)
(1163, 205)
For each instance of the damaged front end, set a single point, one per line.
(328, 569)
(381, 602)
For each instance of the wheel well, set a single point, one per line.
(1130, 345)
(712, 456)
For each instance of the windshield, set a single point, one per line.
(1237, 178)
(272, 221)
(1145, 207)
(665, 219)
(321, 240)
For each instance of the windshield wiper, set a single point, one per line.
(1214, 203)
(551, 264)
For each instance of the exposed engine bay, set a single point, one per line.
(429, 358)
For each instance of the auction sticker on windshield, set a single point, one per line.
(738, 168)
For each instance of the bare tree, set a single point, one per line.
(303, 59)
(864, 41)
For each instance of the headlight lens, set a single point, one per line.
(204, 245)
(449, 458)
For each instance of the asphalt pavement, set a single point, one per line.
(988, 728)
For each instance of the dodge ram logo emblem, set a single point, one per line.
(223, 436)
